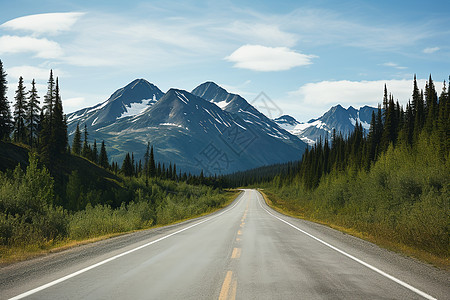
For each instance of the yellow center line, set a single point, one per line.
(233, 290)
(239, 232)
(225, 286)
(236, 253)
(238, 239)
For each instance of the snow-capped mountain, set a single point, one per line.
(195, 134)
(128, 101)
(235, 104)
(339, 118)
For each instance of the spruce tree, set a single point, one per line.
(103, 157)
(95, 152)
(59, 125)
(49, 98)
(152, 166)
(85, 152)
(76, 144)
(46, 134)
(20, 114)
(431, 105)
(5, 112)
(146, 159)
(33, 111)
(127, 166)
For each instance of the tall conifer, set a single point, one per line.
(5, 112)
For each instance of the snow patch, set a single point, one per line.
(222, 104)
(136, 108)
(365, 125)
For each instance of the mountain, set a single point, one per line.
(196, 134)
(235, 104)
(339, 118)
(286, 122)
(128, 101)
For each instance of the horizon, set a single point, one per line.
(304, 57)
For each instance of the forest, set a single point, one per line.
(390, 184)
(52, 194)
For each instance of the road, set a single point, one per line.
(245, 251)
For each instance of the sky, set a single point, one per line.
(285, 57)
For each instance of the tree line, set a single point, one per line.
(390, 125)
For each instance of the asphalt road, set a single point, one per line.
(245, 251)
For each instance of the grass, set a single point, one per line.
(286, 208)
(14, 254)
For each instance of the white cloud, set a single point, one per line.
(261, 58)
(51, 23)
(31, 72)
(42, 47)
(394, 65)
(71, 104)
(313, 99)
(260, 33)
(431, 50)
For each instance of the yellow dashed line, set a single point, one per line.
(236, 253)
(239, 232)
(226, 286)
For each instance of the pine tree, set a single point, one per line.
(46, 134)
(5, 112)
(85, 150)
(103, 157)
(127, 166)
(49, 99)
(152, 167)
(20, 108)
(76, 144)
(146, 159)
(95, 153)
(59, 125)
(431, 105)
(33, 111)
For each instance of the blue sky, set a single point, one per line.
(306, 56)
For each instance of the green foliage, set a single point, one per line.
(5, 112)
(29, 216)
(27, 213)
(403, 198)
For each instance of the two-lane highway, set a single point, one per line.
(246, 251)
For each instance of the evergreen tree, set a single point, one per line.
(50, 97)
(152, 167)
(95, 153)
(20, 114)
(127, 166)
(103, 157)
(146, 159)
(431, 105)
(85, 151)
(5, 112)
(46, 134)
(76, 144)
(33, 111)
(59, 125)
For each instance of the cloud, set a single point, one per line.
(71, 104)
(31, 72)
(42, 47)
(260, 33)
(394, 65)
(431, 50)
(313, 97)
(51, 23)
(261, 58)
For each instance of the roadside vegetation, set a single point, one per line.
(390, 185)
(54, 195)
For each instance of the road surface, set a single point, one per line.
(245, 251)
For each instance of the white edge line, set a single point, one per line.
(45, 286)
(402, 283)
